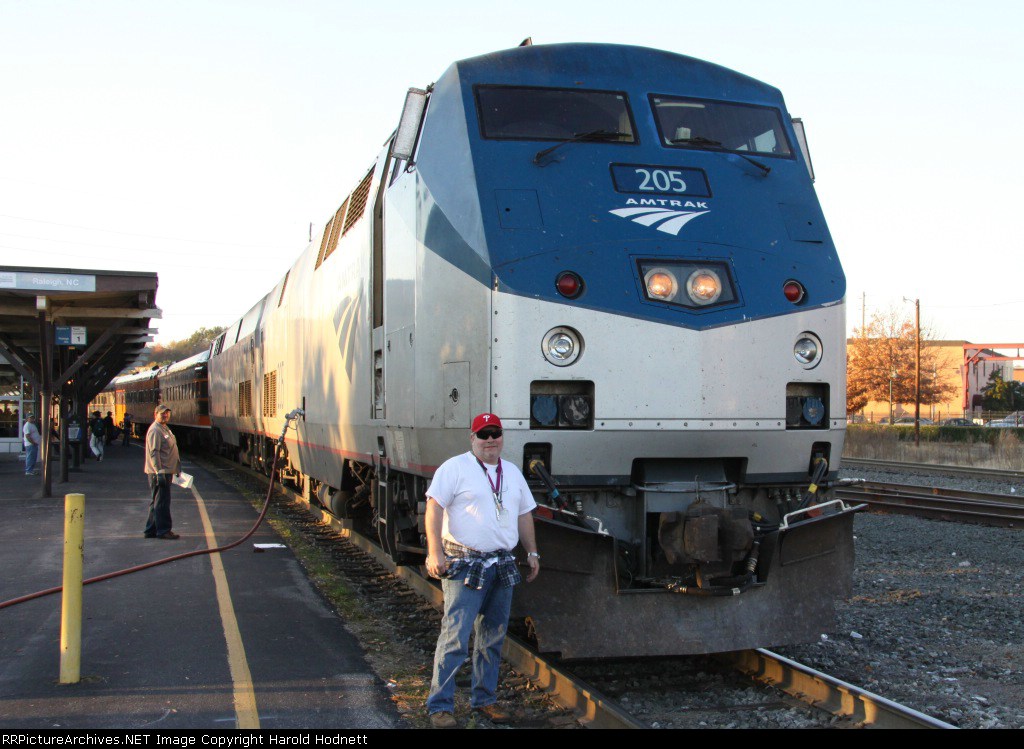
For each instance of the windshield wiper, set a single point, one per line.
(713, 145)
(591, 135)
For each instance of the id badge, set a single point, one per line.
(502, 514)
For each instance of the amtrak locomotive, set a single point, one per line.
(620, 252)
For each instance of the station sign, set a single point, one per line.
(52, 282)
(66, 335)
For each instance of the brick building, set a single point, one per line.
(949, 369)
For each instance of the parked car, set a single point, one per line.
(958, 422)
(1009, 422)
(904, 420)
(1016, 419)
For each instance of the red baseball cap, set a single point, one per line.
(485, 420)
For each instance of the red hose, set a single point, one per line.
(157, 563)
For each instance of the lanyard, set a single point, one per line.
(495, 490)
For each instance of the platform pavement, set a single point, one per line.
(154, 652)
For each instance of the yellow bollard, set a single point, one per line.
(71, 608)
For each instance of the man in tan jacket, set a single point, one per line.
(162, 464)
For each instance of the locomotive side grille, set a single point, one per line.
(324, 242)
(358, 198)
(284, 284)
(245, 398)
(270, 394)
(336, 223)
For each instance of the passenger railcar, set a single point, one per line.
(184, 388)
(137, 394)
(619, 251)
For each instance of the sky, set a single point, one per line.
(199, 140)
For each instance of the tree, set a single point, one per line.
(161, 354)
(1001, 395)
(880, 362)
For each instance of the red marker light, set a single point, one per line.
(794, 291)
(569, 284)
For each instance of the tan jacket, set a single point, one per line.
(161, 450)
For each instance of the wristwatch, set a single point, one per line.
(534, 554)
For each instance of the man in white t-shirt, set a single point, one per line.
(478, 508)
(31, 441)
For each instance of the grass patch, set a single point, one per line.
(979, 447)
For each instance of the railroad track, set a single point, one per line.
(592, 708)
(1003, 510)
(828, 693)
(927, 469)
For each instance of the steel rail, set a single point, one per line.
(591, 708)
(826, 692)
(1001, 510)
(929, 468)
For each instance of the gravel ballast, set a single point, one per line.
(935, 618)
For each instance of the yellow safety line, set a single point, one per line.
(246, 714)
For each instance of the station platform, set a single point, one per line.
(178, 646)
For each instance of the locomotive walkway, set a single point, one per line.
(178, 646)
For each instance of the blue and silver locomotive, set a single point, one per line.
(619, 251)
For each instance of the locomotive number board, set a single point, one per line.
(645, 179)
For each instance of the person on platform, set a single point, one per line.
(162, 465)
(31, 441)
(97, 429)
(478, 509)
(126, 425)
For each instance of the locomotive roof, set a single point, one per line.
(201, 358)
(611, 66)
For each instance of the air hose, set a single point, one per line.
(537, 469)
(110, 575)
(820, 471)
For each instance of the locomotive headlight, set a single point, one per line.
(696, 285)
(704, 286)
(562, 346)
(661, 284)
(807, 350)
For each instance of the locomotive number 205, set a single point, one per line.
(663, 179)
(658, 180)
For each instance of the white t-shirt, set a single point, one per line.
(30, 434)
(470, 517)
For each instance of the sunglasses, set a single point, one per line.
(486, 434)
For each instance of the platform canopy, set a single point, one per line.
(66, 329)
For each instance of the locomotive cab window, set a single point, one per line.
(516, 113)
(720, 126)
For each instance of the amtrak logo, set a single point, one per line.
(345, 324)
(650, 212)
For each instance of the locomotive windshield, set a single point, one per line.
(717, 125)
(517, 113)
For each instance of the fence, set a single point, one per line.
(936, 416)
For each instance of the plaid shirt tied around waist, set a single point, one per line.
(470, 562)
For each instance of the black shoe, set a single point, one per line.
(149, 535)
(443, 720)
(170, 535)
(494, 713)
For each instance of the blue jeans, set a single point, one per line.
(159, 520)
(485, 612)
(31, 456)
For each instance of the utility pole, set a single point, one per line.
(917, 370)
(892, 376)
(917, 374)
